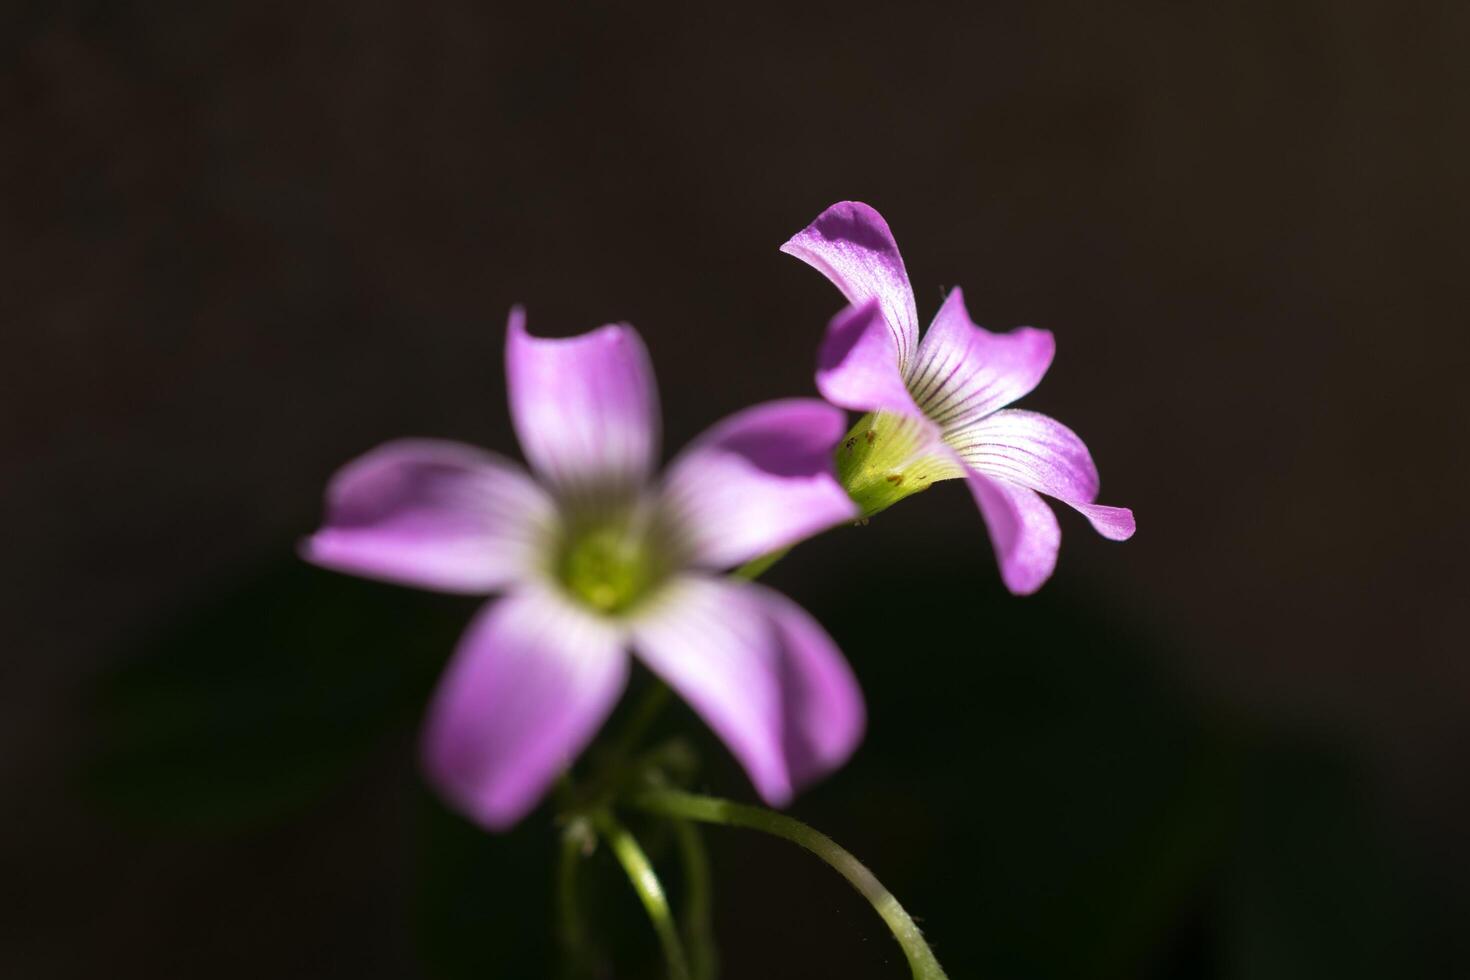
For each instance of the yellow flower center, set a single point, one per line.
(613, 564)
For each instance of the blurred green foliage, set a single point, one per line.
(251, 708)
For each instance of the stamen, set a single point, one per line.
(613, 562)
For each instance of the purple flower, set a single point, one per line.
(938, 406)
(597, 557)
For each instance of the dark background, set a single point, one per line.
(243, 243)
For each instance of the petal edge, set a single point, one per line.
(434, 514)
(1038, 452)
(532, 681)
(761, 673)
(1023, 531)
(851, 245)
(585, 407)
(964, 372)
(758, 481)
(858, 366)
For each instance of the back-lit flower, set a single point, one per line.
(938, 406)
(595, 556)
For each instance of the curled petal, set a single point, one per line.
(585, 407)
(1033, 450)
(1023, 531)
(851, 245)
(858, 364)
(435, 514)
(759, 481)
(761, 673)
(965, 372)
(1113, 523)
(532, 681)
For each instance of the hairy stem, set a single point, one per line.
(689, 806)
(645, 882)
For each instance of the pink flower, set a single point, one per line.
(594, 557)
(938, 406)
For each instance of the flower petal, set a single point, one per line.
(758, 481)
(851, 245)
(822, 703)
(435, 514)
(532, 681)
(1023, 531)
(1113, 523)
(1036, 451)
(585, 408)
(762, 674)
(965, 372)
(858, 364)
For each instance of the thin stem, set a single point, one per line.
(757, 566)
(575, 839)
(614, 762)
(698, 912)
(688, 806)
(635, 863)
(645, 713)
(645, 882)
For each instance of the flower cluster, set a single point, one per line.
(595, 556)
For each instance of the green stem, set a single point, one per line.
(574, 841)
(635, 863)
(614, 762)
(688, 806)
(645, 882)
(757, 566)
(698, 913)
(645, 713)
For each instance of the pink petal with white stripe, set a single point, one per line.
(858, 365)
(533, 680)
(585, 407)
(1023, 531)
(851, 245)
(825, 714)
(434, 514)
(1036, 451)
(759, 481)
(964, 372)
(766, 679)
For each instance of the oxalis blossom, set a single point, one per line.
(938, 407)
(594, 557)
